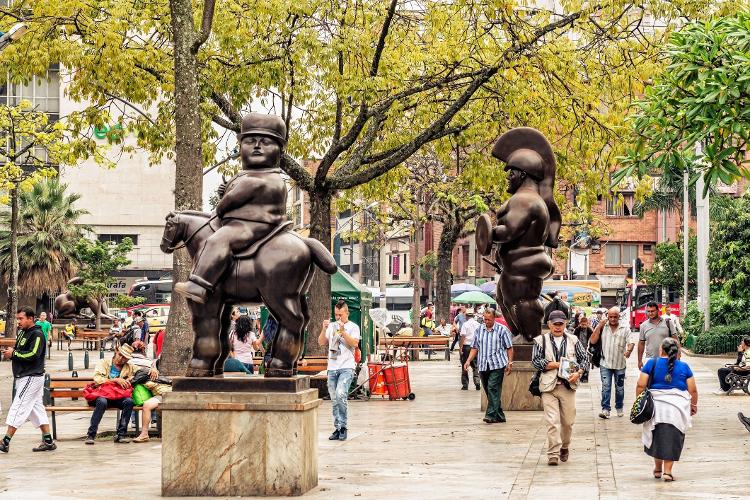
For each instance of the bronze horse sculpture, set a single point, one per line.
(277, 271)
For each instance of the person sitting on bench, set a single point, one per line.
(742, 366)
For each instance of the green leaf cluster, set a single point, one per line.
(99, 260)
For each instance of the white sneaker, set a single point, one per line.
(604, 414)
(721, 392)
(620, 413)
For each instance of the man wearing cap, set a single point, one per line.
(558, 393)
(251, 204)
(118, 371)
(467, 339)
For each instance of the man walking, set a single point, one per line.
(27, 360)
(558, 392)
(45, 325)
(458, 323)
(342, 338)
(616, 348)
(467, 338)
(652, 333)
(494, 346)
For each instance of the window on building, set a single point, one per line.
(616, 254)
(116, 239)
(646, 248)
(616, 208)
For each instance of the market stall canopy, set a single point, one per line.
(474, 298)
(460, 288)
(490, 288)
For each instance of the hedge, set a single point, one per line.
(721, 339)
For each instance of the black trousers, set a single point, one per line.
(465, 350)
(723, 372)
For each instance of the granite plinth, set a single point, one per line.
(241, 384)
(239, 443)
(515, 394)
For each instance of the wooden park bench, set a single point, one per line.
(6, 342)
(70, 388)
(414, 345)
(307, 365)
(90, 339)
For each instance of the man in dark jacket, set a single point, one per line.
(27, 358)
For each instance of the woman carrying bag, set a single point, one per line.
(675, 398)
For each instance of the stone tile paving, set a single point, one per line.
(433, 447)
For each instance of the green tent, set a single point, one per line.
(359, 300)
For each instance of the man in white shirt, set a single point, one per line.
(342, 338)
(468, 330)
(443, 329)
(616, 348)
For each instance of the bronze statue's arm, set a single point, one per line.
(236, 197)
(512, 224)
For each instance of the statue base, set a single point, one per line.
(515, 394)
(239, 441)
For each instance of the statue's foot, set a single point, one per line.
(277, 368)
(198, 368)
(192, 291)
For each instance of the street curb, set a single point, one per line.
(694, 355)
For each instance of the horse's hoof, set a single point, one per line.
(198, 372)
(279, 372)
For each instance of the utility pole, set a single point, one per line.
(685, 239)
(702, 205)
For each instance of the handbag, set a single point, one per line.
(643, 406)
(534, 384)
(357, 355)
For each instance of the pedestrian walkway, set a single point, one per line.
(433, 447)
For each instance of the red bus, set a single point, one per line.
(633, 299)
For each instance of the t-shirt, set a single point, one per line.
(443, 330)
(46, 327)
(680, 374)
(114, 372)
(469, 330)
(653, 335)
(340, 354)
(459, 320)
(244, 351)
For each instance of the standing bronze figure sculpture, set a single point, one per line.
(245, 253)
(526, 223)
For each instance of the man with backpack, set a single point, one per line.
(652, 333)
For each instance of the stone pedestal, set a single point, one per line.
(516, 395)
(245, 441)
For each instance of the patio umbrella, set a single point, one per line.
(460, 288)
(474, 298)
(490, 288)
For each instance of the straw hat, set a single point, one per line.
(126, 351)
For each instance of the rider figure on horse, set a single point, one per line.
(251, 205)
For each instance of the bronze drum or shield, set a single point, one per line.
(484, 234)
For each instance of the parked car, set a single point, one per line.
(154, 291)
(156, 315)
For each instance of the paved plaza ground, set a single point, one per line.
(433, 447)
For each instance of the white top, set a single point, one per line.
(244, 351)
(340, 354)
(444, 330)
(469, 330)
(558, 341)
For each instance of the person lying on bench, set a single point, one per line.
(742, 366)
(118, 371)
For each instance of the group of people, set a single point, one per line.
(563, 356)
(113, 386)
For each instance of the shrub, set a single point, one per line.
(721, 339)
(693, 320)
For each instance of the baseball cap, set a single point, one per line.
(557, 317)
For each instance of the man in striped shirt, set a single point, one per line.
(494, 346)
(616, 348)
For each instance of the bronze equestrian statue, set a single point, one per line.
(527, 223)
(244, 253)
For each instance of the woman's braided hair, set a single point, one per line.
(671, 349)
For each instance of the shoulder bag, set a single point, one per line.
(643, 406)
(534, 384)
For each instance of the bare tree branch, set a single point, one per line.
(297, 172)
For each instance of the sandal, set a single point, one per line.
(668, 478)
(141, 439)
(657, 473)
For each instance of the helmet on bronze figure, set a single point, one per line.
(267, 125)
(526, 149)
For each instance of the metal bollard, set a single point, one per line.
(74, 375)
(46, 398)
(86, 360)
(101, 354)
(70, 360)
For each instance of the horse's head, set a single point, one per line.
(171, 236)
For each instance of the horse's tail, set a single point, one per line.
(321, 256)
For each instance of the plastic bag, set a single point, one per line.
(141, 394)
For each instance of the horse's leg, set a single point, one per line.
(226, 322)
(206, 345)
(288, 343)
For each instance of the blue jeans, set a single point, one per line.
(619, 376)
(100, 407)
(338, 388)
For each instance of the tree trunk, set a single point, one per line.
(10, 324)
(320, 290)
(188, 177)
(444, 275)
(417, 268)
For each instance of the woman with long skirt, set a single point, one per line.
(675, 402)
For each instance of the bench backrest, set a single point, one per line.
(68, 387)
